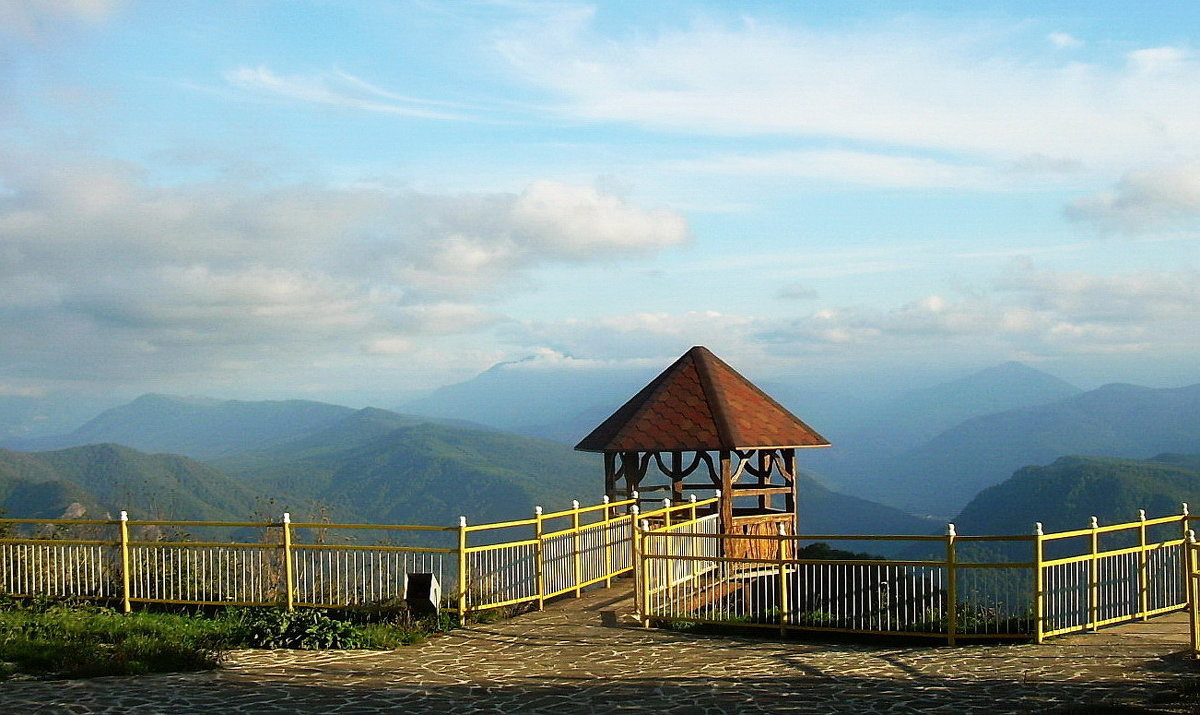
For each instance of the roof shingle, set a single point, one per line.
(699, 403)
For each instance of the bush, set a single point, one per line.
(308, 629)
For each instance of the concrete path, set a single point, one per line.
(585, 655)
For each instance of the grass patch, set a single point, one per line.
(80, 641)
(42, 638)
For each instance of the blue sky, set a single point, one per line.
(351, 200)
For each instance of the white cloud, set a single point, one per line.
(906, 85)
(548, 359)
(103, 274)
(389, 346)
(40, 19)
(639, 335)
(1030, 312)
(1138, 298)
(854, 167)
(578, 222)
(1161, 60)
(1064, 41)
(797, 291)
(341, 89)
(1144, 199)
(15, 391)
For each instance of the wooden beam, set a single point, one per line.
(760, 492)
(726, 493)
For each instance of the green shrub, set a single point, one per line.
(308, 629)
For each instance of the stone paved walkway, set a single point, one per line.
(586, 656)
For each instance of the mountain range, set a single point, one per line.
(102, 479)
(927, 451)
(1066, 493)
(316, 460)
(941, 475)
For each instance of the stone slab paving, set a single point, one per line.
(587, 656)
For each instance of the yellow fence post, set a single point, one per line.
(666, 513)
(462, 569)
(608, 565)
(126, 606)
(644, 608)
(288, 567)
(577, 564)
(540, 560)
(784, 605)
(638, 562)
(1094, 577)
(1189, 585)
(951, 587)
(692, 540)
(1039, 586)
(1143, 568)
(1193, 608)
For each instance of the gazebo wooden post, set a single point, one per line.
(629, 467)
(676, 476)
(764, 479)
(610, 476)
(789, 499)
(726, 492)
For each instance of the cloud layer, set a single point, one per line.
(1028, 313)
(1144, 200)
(965, 105)
(102, 269)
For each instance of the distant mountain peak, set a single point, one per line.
(158, 398)
(1015, 370)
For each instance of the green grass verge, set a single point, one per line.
(72, 640)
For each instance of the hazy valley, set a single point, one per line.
(998, 448)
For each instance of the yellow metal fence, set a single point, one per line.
(1192, 551)
(315, 564)
(947, 587)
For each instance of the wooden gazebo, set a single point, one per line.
(701, 416)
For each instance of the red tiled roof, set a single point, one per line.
(699, 403)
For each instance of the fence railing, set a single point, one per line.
(1192, 551)
(952, 586)
(315, 564)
